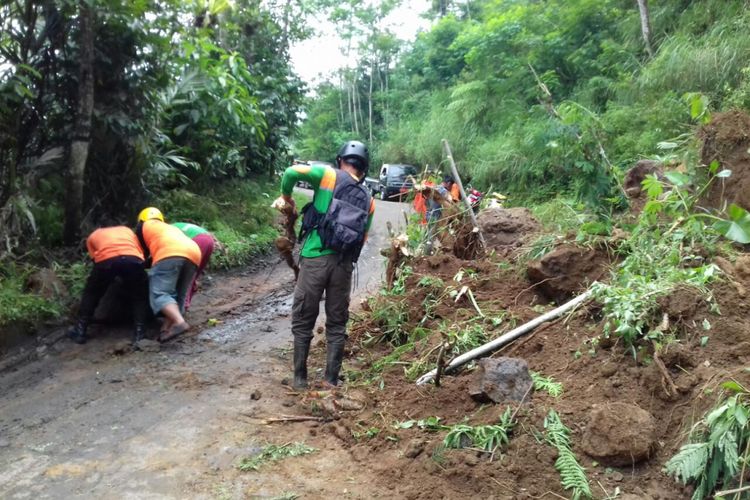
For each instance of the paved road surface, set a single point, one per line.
(99, 421)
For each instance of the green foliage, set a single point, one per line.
(572, 475)
(430, 424)
(660, 256)
(74, 276)
(391, 316)
(544, 99)
(548, 384)
(465, 337)
(485, 437)
(237, 213)
(273, 453)
(185, 94)
(718, 446)
(18, 305)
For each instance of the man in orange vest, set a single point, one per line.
(116, 254)
(175, 258)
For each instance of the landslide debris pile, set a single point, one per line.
(592, 404)
(598, 403)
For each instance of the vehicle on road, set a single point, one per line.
(394, 181)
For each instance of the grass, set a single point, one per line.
(17, 305)
(238, 214)
(274, 453)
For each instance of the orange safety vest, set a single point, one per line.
(455, 193)
(164, 241)
(420, 203)
(108, 242)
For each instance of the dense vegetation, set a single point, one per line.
(107, 106)
(540, 99)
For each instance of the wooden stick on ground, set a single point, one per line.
(457, 178)
(292, 418)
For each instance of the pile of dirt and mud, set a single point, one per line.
(626, 419)
(726, 140)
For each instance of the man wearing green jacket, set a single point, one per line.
(334, 228)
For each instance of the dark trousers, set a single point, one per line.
(129, 270)
(316, 275)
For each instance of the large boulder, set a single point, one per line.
(500, 379)
(506, 227)
(46, 284)
(567, 270)
(619, 434)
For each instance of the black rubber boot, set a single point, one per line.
(78, 333)
(138, 332)
(334, 357)
(301, 350)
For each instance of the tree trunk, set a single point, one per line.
(369, 102)
(79, 146)
(645, 26)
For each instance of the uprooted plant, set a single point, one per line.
(572, 475)
(718, 450)
(487, 438)
(274, 453)
(547, 384)
(667, 249)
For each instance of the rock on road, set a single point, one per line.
(100, 421)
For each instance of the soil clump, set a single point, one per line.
(624, 426)
(726, 139)
(567, 270)
(505, 229)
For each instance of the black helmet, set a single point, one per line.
(356, 153)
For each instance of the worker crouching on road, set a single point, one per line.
(334, 229)
(206, 242)
(174, 259)
(117, 256)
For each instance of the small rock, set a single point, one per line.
(608, 370)
(414, 448)
(148, 345)
(267, 328)
(501, 379)
(4, 443)
(41, 350)
(471, 459)
(255, 395)
(617, 476)
(287, 403)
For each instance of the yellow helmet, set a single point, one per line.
(150, 213)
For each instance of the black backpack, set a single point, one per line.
(342, 228)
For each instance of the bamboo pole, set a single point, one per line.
(508, 337)
(457, 178)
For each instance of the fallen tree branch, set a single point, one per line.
(292, 418)
(508, 337)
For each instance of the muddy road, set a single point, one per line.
(101, 421)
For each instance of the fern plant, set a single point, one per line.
(548, 384)
(713, 457)
(572, 475)
(485, 437)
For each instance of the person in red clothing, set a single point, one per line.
(206, 242)
(117, 255)
(174, 259)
